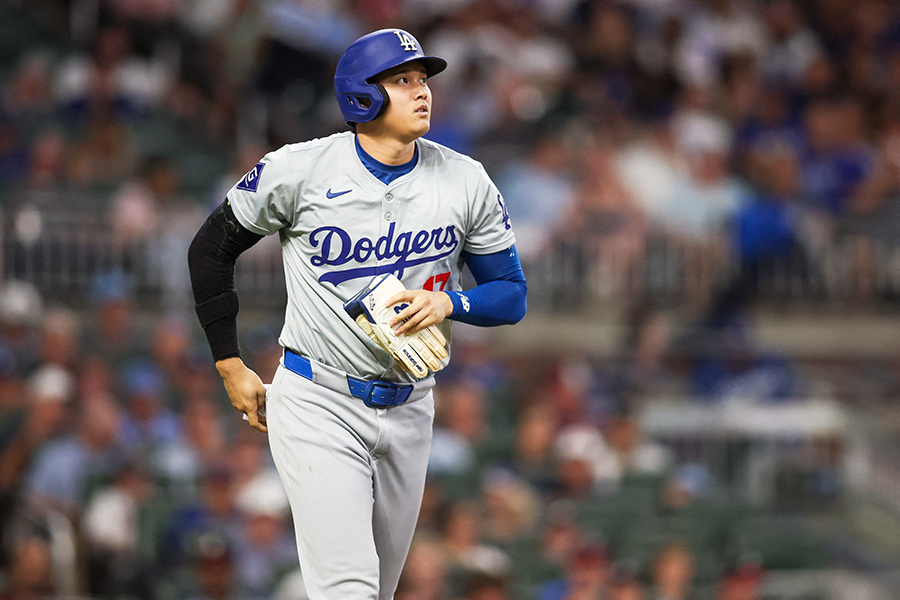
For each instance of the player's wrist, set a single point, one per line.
(459, 304)
(228, 366)
(447, 306)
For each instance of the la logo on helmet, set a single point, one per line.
(406, 41)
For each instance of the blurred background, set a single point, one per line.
(700, 403)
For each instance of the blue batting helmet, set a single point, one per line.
(367, 57)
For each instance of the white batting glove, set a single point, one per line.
(418, 353)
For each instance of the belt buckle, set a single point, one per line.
(383, 394)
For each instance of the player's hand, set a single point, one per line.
(422, 347)
(424, 309)
(245, 390)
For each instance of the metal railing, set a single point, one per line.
(64, 251)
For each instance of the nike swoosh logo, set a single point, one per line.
(329, 194)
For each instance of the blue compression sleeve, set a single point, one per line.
(499, 297)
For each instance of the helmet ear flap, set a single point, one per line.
(386, 100)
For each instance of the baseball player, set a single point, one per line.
(375, 227)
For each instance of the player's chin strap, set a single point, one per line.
(223, 306)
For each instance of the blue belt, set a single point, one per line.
(373, 393)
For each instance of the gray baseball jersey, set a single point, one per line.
(355, 475)
(339, 226)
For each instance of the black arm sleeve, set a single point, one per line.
(211, 257)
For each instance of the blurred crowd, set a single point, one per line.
(738, 142)
(124, 473)
(724, 143)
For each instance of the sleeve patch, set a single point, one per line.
(251, 180)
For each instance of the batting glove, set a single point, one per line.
(418, 353)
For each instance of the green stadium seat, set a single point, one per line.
(779, 545)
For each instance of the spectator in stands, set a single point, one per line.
(606, 224)
(870, 229)
(153, 207)
(110, 79)
(30, 417)
(26, 96)
(212, 513)
(560, 534)
(460, 427)
(135, 208)
(767, 233)
(837, 159)
(62, 470)
(61, 339)
(264, 352)
(197, 382)
(586, 466)
(635, 453)
(425, 573)
(536, 429)
(14, 157)
(539, 192)
(46, 168)
(12, 386)
(461, 531)
(510, 506)
(41, 417)
(537, 57)
(587, 575)
(575, 388)
(742, 581)
(702, 202)
(878, 195)
(238, 37)
(672, 576)
(251, 467)
(21, 311)
(203, 443)
(433, 500)
(213, 576)
(486, 587)
(713, 30)
(30, 571)
(689, 483)
(148, 425)
(649, 166)
(624, 583)
(172, 353)
(473, 37)
(890, 91)
(113, 337)
(475, 360)
(743, 87)
(265, 549)
(105, 156)
(792, 46)
(111, 527)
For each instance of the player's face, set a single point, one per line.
(408, 115)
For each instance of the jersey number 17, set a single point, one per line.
(440, 280)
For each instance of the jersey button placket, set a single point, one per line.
(388, 215)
